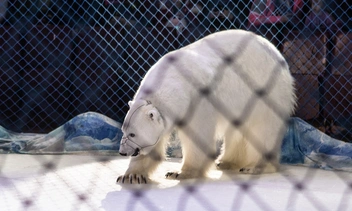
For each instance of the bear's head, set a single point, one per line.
(142, 128)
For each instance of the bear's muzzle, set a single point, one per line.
(136, 152)
(128, 148)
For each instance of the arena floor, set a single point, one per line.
(86, 182)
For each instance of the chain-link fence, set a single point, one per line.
(62, 58)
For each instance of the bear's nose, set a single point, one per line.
(123, 154)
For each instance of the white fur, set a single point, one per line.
(252, 127)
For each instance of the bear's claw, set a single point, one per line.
(251, 170)
(172, 175)
(131, 179)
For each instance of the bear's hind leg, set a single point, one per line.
(259, 160)
(251, 150)
(263, 146)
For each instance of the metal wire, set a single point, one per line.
(61, 58)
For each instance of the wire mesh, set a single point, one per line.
(61, 58)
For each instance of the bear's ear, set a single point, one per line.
(154, 114)
(130, 103)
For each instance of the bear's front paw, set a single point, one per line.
(259, 169)
(173, 175)
(224, 166)
(252, 170)
(132, 179)
(184, 175)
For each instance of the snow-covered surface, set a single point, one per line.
(86, 182)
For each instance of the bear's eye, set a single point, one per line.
(132, 135)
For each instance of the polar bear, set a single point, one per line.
(231, 85)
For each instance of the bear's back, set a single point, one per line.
(231, 64)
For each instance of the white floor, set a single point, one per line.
(86, 182)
